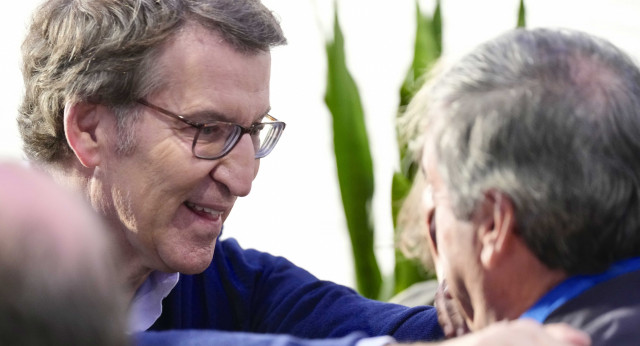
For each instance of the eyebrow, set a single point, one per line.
(208, 116)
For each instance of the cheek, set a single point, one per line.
(445, 234)
(450, 239)
(124, 208)
(171, 170)
(154, 193)
(445, 249)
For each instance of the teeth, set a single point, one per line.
(209, 211)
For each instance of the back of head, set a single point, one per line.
(59, 284)
(551, 118)
(105, 51)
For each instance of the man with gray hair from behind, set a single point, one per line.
(532, 157)
(58, 280)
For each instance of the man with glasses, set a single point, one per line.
(158, 112)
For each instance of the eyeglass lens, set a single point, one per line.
(217, 139)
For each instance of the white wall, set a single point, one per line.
(294, 209)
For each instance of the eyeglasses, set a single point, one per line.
(216, 139)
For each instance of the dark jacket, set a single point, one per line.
(608, 311)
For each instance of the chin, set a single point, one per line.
(190, 265)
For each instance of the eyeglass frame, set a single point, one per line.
(280, 125)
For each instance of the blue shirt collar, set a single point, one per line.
(574, 286)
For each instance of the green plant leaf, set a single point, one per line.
(353, 162)
(521, 15)
(408, 272)
(400, 186)
(427, 50)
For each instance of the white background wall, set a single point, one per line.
(294, 209)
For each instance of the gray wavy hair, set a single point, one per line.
(551, 118)
(104, 51)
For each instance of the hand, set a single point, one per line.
(520, 333)
(451, 321)
(523, 332)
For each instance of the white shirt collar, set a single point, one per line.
(146, 305)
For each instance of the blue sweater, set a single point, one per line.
(214, 337)
(251, 291)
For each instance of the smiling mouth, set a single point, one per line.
(203, 211)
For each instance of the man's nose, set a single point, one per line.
(238, 168)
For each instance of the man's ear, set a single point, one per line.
(81, 121)
(497, 231)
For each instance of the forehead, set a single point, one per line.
(436, 187)
(201, 71)
(429, 161)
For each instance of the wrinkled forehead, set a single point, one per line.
(429, 165)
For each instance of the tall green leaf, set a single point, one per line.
(521, 15)
(427, 50)
(353, 161)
